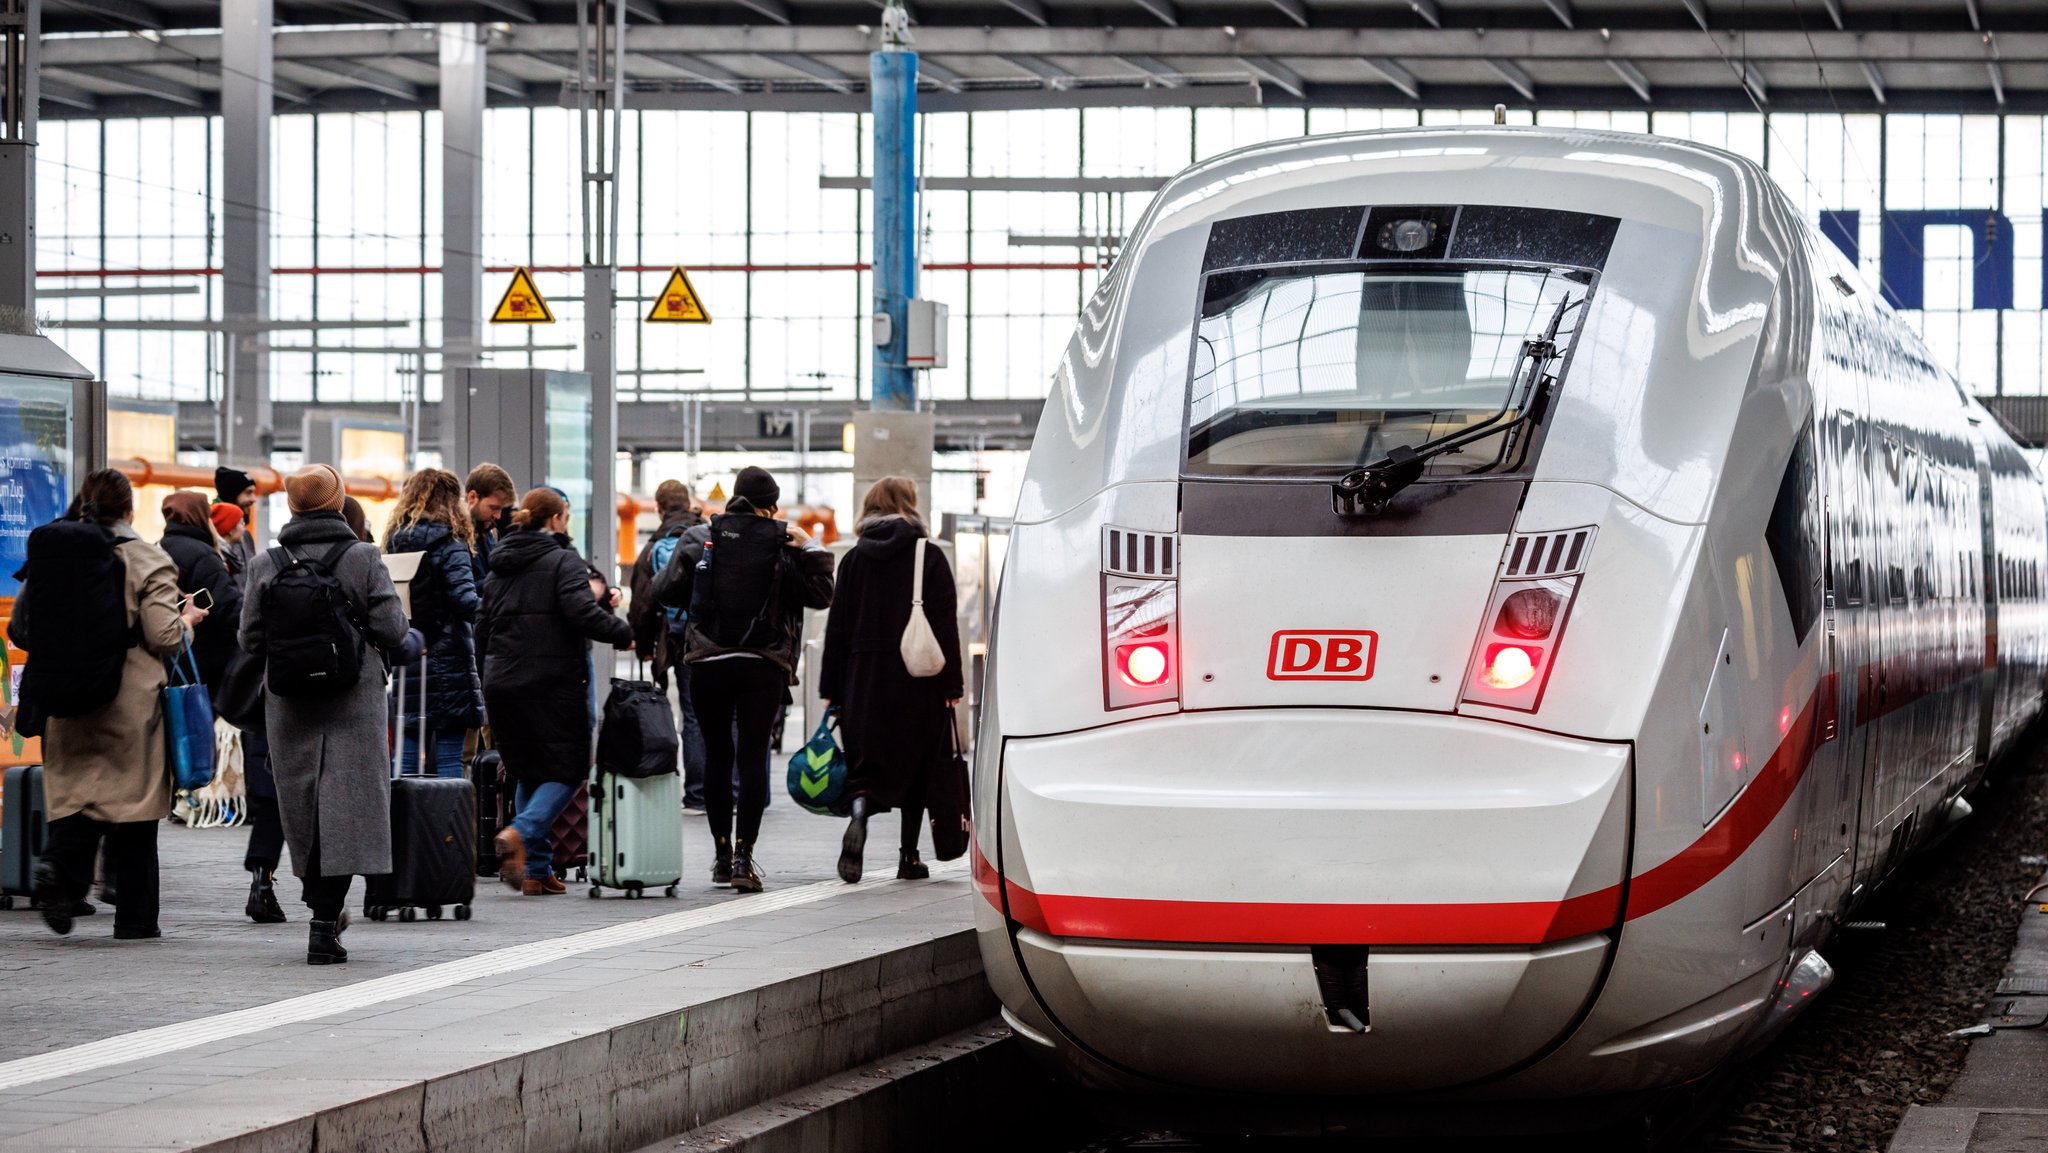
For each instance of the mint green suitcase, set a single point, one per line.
(636, 833)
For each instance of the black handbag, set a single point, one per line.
(949, 798)
(239, 696)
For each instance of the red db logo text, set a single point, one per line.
(1342, 655)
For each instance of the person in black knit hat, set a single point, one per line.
(237, 488)
(746, 607)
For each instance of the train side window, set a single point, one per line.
(1853, 585)
(1793, 534)
(1896, 584)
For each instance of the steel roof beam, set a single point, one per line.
(504, 83)
(1633, 77)
(1044, 70)
(1429, 11)
(1834, 8)
(944, 77)
(1875, 79)
(1294, 10)
(1277, 74)
(1517, 79)
(518, 10)
(58, 92)
(1157, 70)
(1754, 81)
(817, 70)
(1162, 11)
(1030, 10)
(643, 11)
(1976, 17)
(123, 13)
(388, 11)
(363, 76)
(1997, 81)
(1562, 9)
(1395, 75)
(694, 67)
(774, 10)
(1698, 11)
(141, 83)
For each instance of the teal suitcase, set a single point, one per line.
(636, 833)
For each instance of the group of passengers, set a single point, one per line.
(504, 614)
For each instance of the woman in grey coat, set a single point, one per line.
(330, 753)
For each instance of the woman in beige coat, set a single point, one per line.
(107, 774)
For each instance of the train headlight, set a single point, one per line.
(1143, 665)
(1509, 667)
(1530, 613)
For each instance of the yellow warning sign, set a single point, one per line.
(678, 302)
(522, 302)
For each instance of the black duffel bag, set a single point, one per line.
(638, 737)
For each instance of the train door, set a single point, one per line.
(1830, 796)
(1985, 590)
(1885, 609)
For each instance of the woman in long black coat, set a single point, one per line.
(533, 641)
(430, 519)
(896, 729)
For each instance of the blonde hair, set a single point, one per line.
(890, 496)
(432, 496)
(538, 507)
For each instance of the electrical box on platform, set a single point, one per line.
(925, 335)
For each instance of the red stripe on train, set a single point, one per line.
(1489, 923)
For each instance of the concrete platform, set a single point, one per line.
(542, 1024)
(2000, 1103)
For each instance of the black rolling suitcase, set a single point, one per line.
(433, 835)
(22, 830)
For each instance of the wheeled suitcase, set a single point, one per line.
(433, 835)
(22, 829)
(636, 833)
(493, 801)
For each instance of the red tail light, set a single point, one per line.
(1525, 618)
(1140, 618)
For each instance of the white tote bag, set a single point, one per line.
(920, 649)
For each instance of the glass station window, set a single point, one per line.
(1314, 373)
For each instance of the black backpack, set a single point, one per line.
(737, 596)
(312, 642)
(77, 620)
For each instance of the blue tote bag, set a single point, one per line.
(188, 725)
(817, 773)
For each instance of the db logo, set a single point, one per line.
(1322, 656)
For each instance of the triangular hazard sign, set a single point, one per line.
(678, 302)
(522, 303)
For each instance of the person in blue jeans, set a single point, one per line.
(541, 612)
(431, 520)
(658, 633)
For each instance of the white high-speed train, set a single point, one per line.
(1485, 606)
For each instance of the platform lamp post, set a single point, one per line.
(893, 437)
(600, 108)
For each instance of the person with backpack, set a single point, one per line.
(746, 588)
(896, 727)
(541, 613)
(658, 631)
(189, 540)
(98, 613)
(430, 519)
(321, 609)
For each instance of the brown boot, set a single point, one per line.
(511, 857)
(543, 887)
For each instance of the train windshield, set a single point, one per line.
(1317, 373)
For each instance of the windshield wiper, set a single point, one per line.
(1367, 489)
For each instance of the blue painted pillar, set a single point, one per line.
(892, 85)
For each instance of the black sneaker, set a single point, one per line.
(909, 868)
(49, 893)
(745, 877)
(721, 862)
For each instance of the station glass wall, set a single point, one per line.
(782, 263)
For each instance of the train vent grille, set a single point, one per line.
(1128, 552)
(1548, 554)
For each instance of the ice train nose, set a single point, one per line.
(1314, 901)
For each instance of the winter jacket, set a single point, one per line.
(200, 566)
(805, 577)
(112, 764)
(647, 618)
(331, 755)
(446, 601)
(533, 645)
(894, 727)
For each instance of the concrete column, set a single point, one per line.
(246, 96)
(601, 362)
(462, 197)
(892, 84)
(18, 163)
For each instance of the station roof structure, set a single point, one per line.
(162, 57)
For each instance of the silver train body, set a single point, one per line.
(1270, 816)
